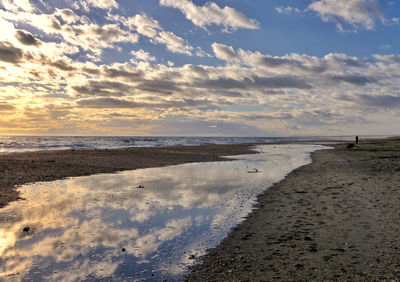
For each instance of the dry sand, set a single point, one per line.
(21, 168)
(335, 219)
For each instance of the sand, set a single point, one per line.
(21, 168)
(335, 219)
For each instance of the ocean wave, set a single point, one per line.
(9, 144)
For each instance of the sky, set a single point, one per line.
(200, 68)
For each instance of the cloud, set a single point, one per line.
(67, 15)
(17, 5)
(386, 101)
(62, 65)
(293, 92)
(122, 71)
(287, 10)
(345, 60)
(143, 24)
(150, 28)
(385, 47)
(224, 52)
(383, 101)
(210, 14)
(102, 4)
(288, 62)
(357, 13)
(391, 59)
(174, 43)
(143, 55)
(107, 103)
(102, 88)
(6, 107)
(354, 79)
(121, 104)
(159, 86)
(74, 30)
(26, 38)
(9, 53)
(255, 82)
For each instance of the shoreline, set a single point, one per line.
(333, 219)
(42, 166)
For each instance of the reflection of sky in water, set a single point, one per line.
(79, 226)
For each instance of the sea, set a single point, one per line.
(11, 144)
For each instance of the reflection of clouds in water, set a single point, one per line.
(80, 224)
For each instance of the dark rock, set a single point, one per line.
(140, 187)
(299, 266)
(192, 257)
(313, 249)
(26, 229)
(307, 238)
(123, 250)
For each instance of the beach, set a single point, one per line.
(334, 219)
(29, 167)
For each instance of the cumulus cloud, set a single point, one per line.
(174, 43)
(103, 4)
(224, 52)
(9, 53)
(210, 14)
(357, 13)
(26, 38)
(150, 28)
(67, 15)
(17, 5)
(292, 92)
(143, 24)
(290, 62)
(391, 59)
(143, 55)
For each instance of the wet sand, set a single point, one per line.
(21, 168)
(337, 218)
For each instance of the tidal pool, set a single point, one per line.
(145, 224)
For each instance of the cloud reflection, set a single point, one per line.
(80, 226)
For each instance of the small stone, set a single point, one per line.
(299, 266)
(26, 229)
(123, 250)
(140, 187)
(192, 257)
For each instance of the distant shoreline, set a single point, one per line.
(23, 144)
